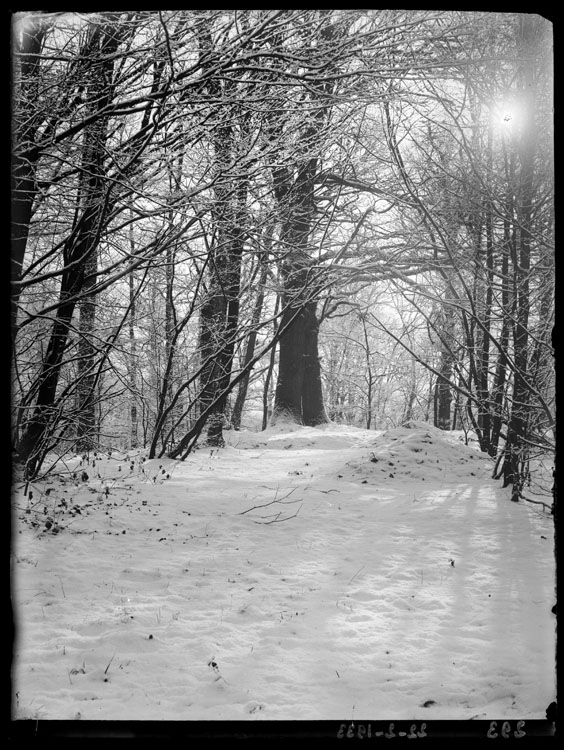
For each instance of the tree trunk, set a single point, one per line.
(268, 378)
(299, 393)
(86, 376)
(483, 358)
(498, 389)
(219, 315)
(443, 392)
(24, 155)
(516, 450)
(132, 354)
(288, 393)
(250, 348)
(369, 374)
(412, 396)
(299, 396)
(78, 252)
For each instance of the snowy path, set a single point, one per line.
(407, 586)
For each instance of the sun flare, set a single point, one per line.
(508, 114)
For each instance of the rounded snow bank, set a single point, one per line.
(417, 450)
(287, 435)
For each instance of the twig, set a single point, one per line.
(277, 519)
(272, 502)
(111, 660)
(537, 502)
(357, 572)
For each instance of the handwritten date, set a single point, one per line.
(361, 731)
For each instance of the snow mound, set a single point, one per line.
(417, 450)
(289, 435)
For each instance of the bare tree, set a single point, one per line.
(81, 245)
(199, 193)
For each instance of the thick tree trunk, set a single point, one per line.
(289, 384)
(443, 396)
(299, 392)
(313, 406)
(219, 315)
(299, 395)
(219, 318)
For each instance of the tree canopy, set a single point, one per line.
(303, 215)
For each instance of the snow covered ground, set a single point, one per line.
(299, 573)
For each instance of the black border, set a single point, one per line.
(341, 731)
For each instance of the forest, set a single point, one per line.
(282, 371)
(229, 218)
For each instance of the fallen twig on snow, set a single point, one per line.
(357, 572)
(277, 519)
(272, 502)
(537, 502)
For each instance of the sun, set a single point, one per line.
(507, 114)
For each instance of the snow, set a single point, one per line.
(298, 573)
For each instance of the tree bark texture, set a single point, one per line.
(219, 314)
(443, 391)
(298, 395)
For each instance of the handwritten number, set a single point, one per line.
(360, 731)
(492, 734)
(519, 731)
(505, 730)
